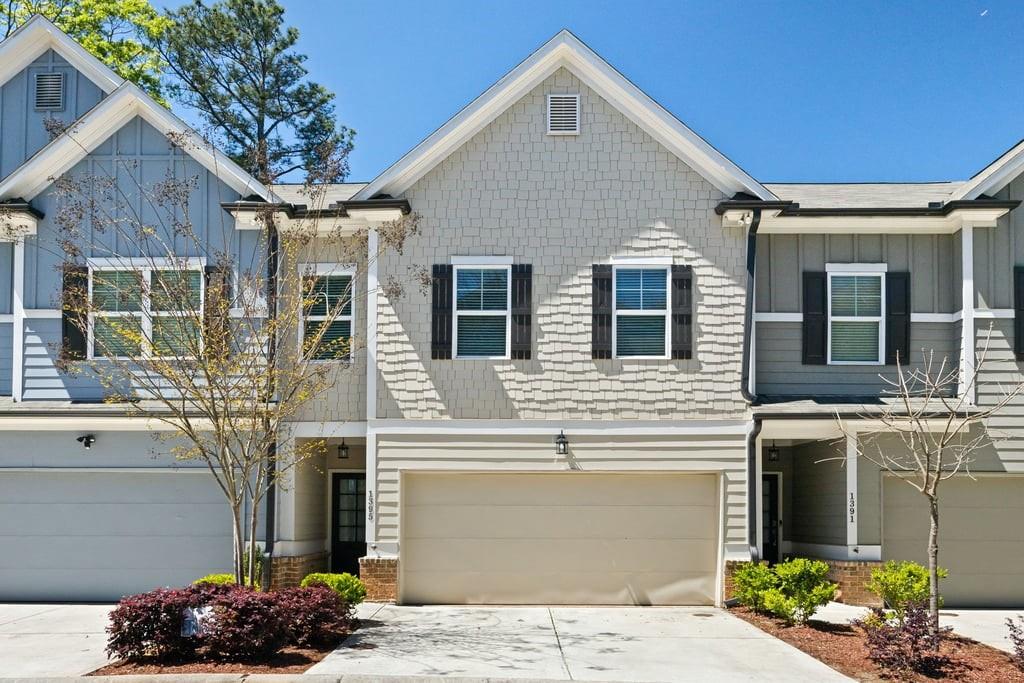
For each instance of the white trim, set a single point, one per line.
(566, 51)
(826, 551)
(773, 317)
(18, 313)
(481, 260)
(372, 498)
(665, 313)
(105, 119)
(967, 309)
(935, 317)
(994, 176)
(326, 430)
(856, 268)
(456, 313)
(641, 260)
(318, 269)
(109, 470)
(372, 284)
(37, 35)
(774, 224)
(54, 421)
(850, 505)
(994, 313)
(6, 318)
(143, 262)
(553, 427)
(47, 313)
(329, 270)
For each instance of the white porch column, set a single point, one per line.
(967, 344)
(18, 328)
(851, 494)
(372, 285)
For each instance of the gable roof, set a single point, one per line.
(37, 35)
(997, 174)
(568, 51)
(105, 119)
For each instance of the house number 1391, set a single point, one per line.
(853, 507)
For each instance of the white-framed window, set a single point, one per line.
(563, 114)
(483, 307)
(640, 301)
(856, 313)
(332, 286)
(145, 307)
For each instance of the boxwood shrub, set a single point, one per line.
(349, 587)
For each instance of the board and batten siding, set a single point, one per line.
(819, 495)
(562, 204)
(724, 454)
(22, 128)
(997, 250)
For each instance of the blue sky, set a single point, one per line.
(808, 91)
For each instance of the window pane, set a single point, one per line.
(171, 336)
(855, 341)
(482, 289)
(120, 336)
(170, 288)
(117, 290)
(640, 335)
(328, 291)
(481, 335)
(336, 342)
(856, 295)
(640, 289)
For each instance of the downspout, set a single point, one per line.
(753, 487)
(270, 520)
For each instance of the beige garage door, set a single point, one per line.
(981, 537)
(572, 538)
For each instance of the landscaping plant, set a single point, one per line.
(900, 584)
(350, 588)
(805, 586)
(907, 645)
(246, 625)
(1017, 639)
(315, 616)
(215, 580)
(148, 626)
(751, 581)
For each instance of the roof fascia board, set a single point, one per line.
(105, 119)
(565, 50)
(996, 175)
(880, 225)
(33, 38)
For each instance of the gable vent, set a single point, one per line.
(50, 91)
(563, 114)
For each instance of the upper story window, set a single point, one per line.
(145, 310)
(329, 303)
(482, 310)
(856, 318)
(641, 311)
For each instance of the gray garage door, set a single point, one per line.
(981, 537)
(79, 536)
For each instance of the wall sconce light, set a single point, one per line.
(343, 451)
(773, 453)
(561, 444)
(86, 440)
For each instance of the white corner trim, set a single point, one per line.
(856, 267)
(641, 260)
(18, 318)
(105, 119)
(990, 313)
(772, 317)
(566, 51)
(852, 500)
(481, 260)
(967, 344)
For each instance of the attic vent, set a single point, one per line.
(50, 91)
(563, 114)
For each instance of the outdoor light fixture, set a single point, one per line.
(343, 451)
(561, 444)
(86, 440)
(773, 453)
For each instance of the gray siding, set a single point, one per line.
(929, 258)
(819, 495)
(22, 132)
(997, 250)
(780, 370)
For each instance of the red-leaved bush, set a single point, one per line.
(906, 646)
(149, 626)
(315, 616)
(246, 624)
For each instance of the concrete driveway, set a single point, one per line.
(51, 640)
(569, 643)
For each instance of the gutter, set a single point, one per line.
(748, 314)
(789, 208)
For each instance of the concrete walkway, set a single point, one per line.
(569, 643)
(39, 640)
(986, 626)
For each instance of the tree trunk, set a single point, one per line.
(933, 567)
(238, 541)
(251, 569)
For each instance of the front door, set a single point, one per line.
(348, 521)
(770, 517)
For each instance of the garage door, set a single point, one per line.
(74, 536)
(572, 538)
(981, 537)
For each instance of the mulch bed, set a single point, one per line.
(843, 648)
(290, 660)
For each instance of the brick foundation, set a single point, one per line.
(380, 575)
(727, 582)
(288, 571)
(852, 577)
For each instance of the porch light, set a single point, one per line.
(561, 444)
(86, 440)
(773, 453)
(343, 451)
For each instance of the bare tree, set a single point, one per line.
(942, 431)
(179, 327)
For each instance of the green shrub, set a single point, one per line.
(901, 584)
(216, 580)
(349, 587)
(750, 582)
(806, 583)
(776, 603)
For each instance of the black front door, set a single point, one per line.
(770, 517)
(348, 521)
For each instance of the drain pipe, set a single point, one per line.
(752, 490)
(748, 314)
(270, 519)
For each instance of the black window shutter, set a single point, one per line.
(216, 309)
(441, 322)
(897, 318)
(74, 304)
(682, 312)
(522, 310)
(601, 309)
(1018, 312)
(815, 326)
